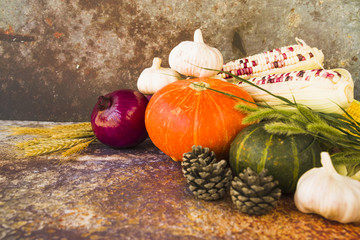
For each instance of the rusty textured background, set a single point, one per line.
(76, 50)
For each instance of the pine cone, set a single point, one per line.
(254, 194)
(208, 178)
(193, 157)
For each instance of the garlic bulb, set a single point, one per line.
(154, 78)
(325, 192)
(190, 58)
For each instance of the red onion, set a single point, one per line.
(118, 118)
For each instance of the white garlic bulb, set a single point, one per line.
(190, 58)
(156, 77)
(325, 192)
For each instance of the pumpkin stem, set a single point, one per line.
(198, 37)
(156, 63)
(199, 86)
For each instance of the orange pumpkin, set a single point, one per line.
(184, 113)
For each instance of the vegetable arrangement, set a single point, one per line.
(269, 118)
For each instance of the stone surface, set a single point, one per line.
(136, 193)
(82, 49)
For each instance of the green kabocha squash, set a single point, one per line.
(285, 157)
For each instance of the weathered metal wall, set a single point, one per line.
(84, 48)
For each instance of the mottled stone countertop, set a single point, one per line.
(136, 193)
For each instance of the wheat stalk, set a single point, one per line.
(77, 148)
(31, 142)
(30, 131)
(41, 149)
(47, 142)
(75, 134)
(44, 141)
(74, 126)
(72, 138)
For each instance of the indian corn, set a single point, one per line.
(320, 89)
(279, 60)
(354, 110)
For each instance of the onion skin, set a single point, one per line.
(118, 118)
